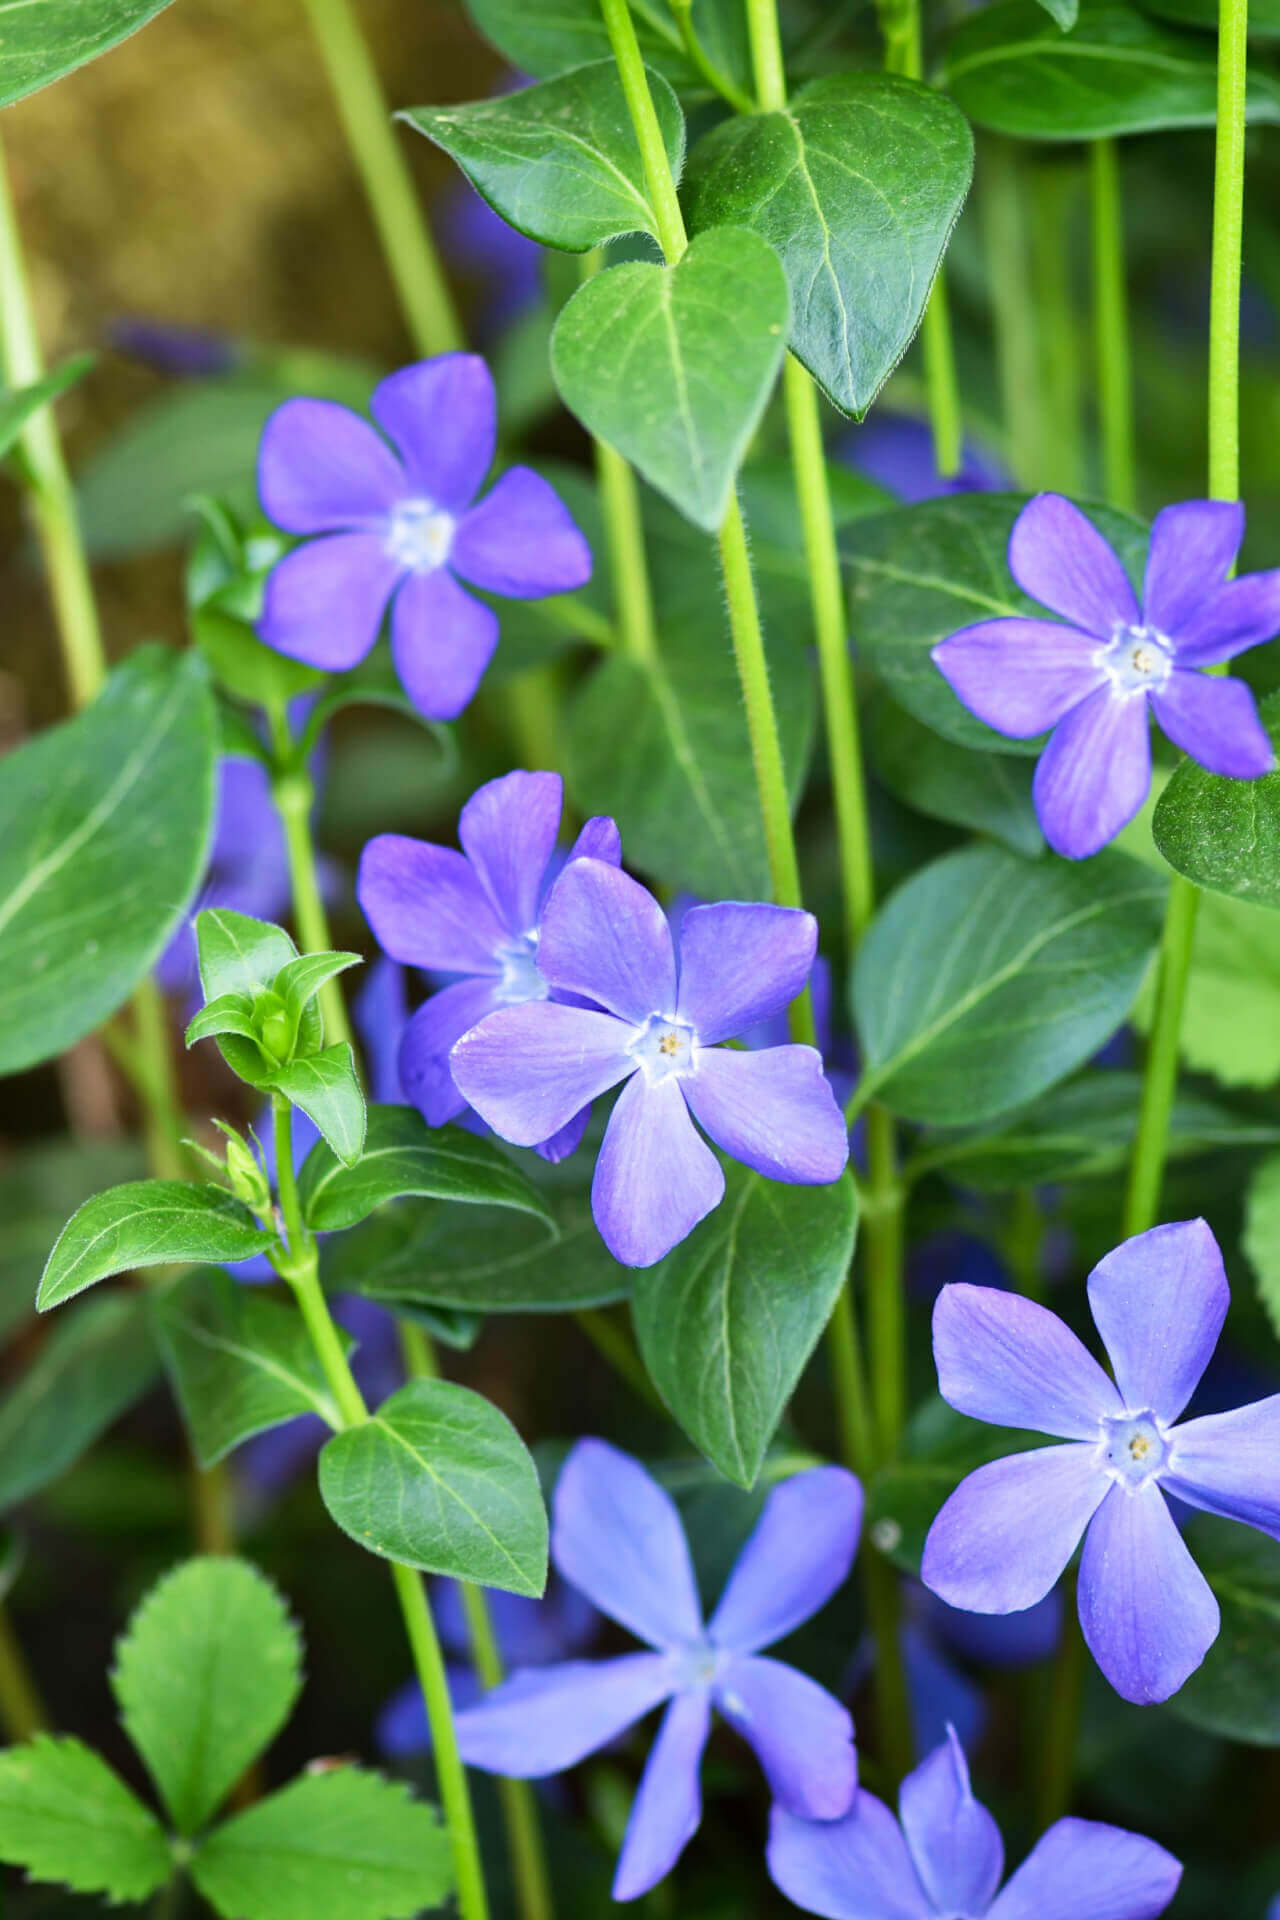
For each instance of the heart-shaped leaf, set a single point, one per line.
(545, 40)
(1264, 15)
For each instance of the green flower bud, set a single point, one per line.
(275, 1029)
(248, 1181)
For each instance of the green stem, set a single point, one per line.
(718, 82)
(886, 1305)
(1160, 1077)
(624, 534)
(294, 796)
(1111, 327)
(1062, 451)
(1002, 204)
(22, 1712)
(1059, 1732)
(629, 61)
(853, 1410)
(407, 245)
(893, 1705)
(157, 1081)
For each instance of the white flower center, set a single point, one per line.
(1133, 1449)
(664, 1047)
(420, 536)
(1138, 659)
(521, 980)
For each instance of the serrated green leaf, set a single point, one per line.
(44, 42)
(206, 1674)
(727, 1321)
(560, 161)
(40, 1186)
(673, 366)
(439, 1479)
(327, 1088)
(67, 1818)
(403, 1155)
(344, 1845)
(1225, 834)
(989, 792)
(18, 405)
(148, 1223)
(856, 185)
(1261, 1238)
(1236, 1693)
(104, 830)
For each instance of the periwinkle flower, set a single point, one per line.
(1094, 679)
(476, 914)
(617, 1537)
(657, 1024)
(1009, 1530)
(400, 529)
(943, 1860)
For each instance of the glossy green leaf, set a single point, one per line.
(940, 1448)
(921, 572)
(147, 1223)
(988, 792)
(206, 1674)
(439, 1479)
(1014, 71)
(239, 1362)
(1264, 15)
(104, 831)
(1225, 834)
(18, 405)
(403, 1155)
(67, 1818)
(987, 977)
(41, 43)
(1261, 1238)
(299, 981)
(856, 186)
(1236, 1693)
(239, 955)
(40, 1187)
(727, 1321)
(339, 1845)
(673, 366)
(229, 1013)
(327, 1088)
(546, 40)
(560, 161)
(94, 1365)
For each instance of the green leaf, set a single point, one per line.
(1043, 960)
(343, 1845)
(856, 186)
(241, 664)
(1014, 71)
(1231, 1017)
(439, 1479)
(239, 1362)
(94, 1365)
(239, 955)
(104, 831)
(147, 1223)
(989, 792)
(727, 1321)
(42, 43)
(67, 1818)
(403, 1155)
(559, 161)
(18, 405)
(40, 1186)
(545, 40)
(327, 1088)
(1264, 15)
(673, 366)
(940, 1448)
(1225, 834)
(299, 981)
(229, 1013)
(1260, 1241)
(921, 572)
(1236, 1693)
(1065, 12)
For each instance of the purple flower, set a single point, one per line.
(528, 1069)
(381, 1014)
(945, 1859)
(248, 866)
(938, 1688)
(401, 529)
(1008, 1531)
(475, 914)
(1093, 679)
(898, 453)
(617, 1537)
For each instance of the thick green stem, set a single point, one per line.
(407, 245)
(294, 796)
(22, 1712)
(1002, 204)
(1111, 327)
(1062, 448)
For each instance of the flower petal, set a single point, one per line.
(655, 1178)
(617, 1537)
(442, 639)
(425, 1073)
(1005, 1359)
(798, 1555)
(1007, 1532)
(528, 1070)
(954, 1842)
(1243, 614)
(1083, 1870)
(774, 1111)
(1095, 773)
(1226, 1463)
(324, 602)
(667, 1809)
(508, 832)
(605, 936)
(1058, 557)
(565, 1140)
(1020, 676)
(1159, 1301)
(321, 467)
(801, 1734)
(857, 1868)
(1193, 549)
(521, 540)
(443, 416)
(739, 963)
(940, 1692)
(1215, 721)
(548, 1718)
(1146, 1609)
(426, 907)
(599, 840)
(381, 1014)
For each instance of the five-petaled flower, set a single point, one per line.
(1093, 679)
(945, 1860)
(399, 527)
(528, 1070)
(1009, 1530)
(617, 1537)
(475, 914)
